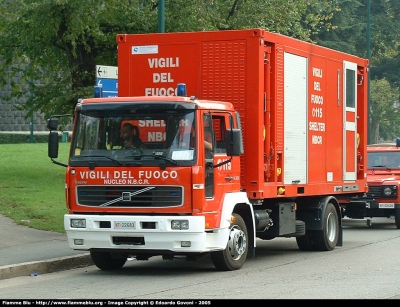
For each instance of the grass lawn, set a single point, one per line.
(31, 186)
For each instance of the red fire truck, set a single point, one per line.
(383, 179)
(287, 123)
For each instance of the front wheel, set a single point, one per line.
(235, 253)
(106, 261)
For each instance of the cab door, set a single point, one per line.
(224, 176)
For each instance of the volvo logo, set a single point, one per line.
(126, 196)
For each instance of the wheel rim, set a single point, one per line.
(331, 227)
(237, 243)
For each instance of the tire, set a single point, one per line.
(105, 260)
(325, 239)
(234, 255)
(397, 217)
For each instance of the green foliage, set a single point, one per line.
(289, 17)
(31, 187)
(346, 28)
(384, 106)
(11, 138)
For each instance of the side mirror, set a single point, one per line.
(53, 145)
(234, 144)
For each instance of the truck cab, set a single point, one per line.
(173, 181)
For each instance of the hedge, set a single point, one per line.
(18, 138)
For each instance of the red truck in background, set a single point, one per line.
(288, 126)
(383, 178)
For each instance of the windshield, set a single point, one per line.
(134, 135)
(385, 159)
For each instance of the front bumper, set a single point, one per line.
(146, 233)
(369, 207)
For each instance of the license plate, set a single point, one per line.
(124, 225)
(386, 205)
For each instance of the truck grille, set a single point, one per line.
(130, 196)
(374, 192)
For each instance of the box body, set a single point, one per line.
(303, 107)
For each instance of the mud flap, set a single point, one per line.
(340, 238)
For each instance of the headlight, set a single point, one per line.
(78, 223)
(179, 224)
(390, 191)
(387, 191)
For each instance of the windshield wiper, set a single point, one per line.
(382, 166)
(115, 160)
(112, 159)
(165, 158)
(137, 155)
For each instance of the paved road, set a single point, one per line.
(366, 267)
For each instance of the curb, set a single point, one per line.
(36, 268)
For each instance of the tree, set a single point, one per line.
(49, 48)
(385, 111)
(386, 41)
(289, 17)
(347, 30)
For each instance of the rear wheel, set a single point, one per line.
(106, 261)
(397, 217)
(234, 255)
(325, 239)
